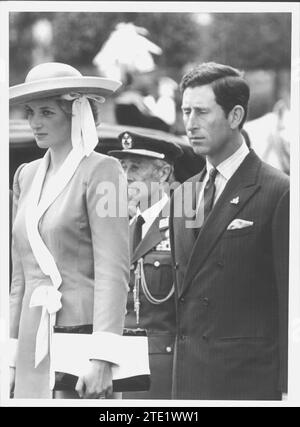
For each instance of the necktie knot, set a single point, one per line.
(211, 178)
(140, 221)
(212, 174)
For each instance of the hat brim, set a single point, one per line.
(120, 154)
(61, 85)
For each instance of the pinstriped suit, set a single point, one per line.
(232, 290)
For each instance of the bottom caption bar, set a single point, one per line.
(137, 415)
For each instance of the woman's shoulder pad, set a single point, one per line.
(95, 159)
(26, 168)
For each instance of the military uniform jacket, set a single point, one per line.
(232, 290)
(157, 319)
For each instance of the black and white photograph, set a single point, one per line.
(150, 204)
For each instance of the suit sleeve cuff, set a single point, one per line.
(13, 346)
(106, 346)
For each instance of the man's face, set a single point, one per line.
(141, 172)
(205, 122)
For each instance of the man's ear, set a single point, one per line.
(165, 172)
(236, 116)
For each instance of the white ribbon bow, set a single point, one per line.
(48, 297)
(84, 132)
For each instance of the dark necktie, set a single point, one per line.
(137, 232)
(209, 192)
(206, 204)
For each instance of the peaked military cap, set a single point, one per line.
(142, 144)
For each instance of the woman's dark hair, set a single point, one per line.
(229, 86)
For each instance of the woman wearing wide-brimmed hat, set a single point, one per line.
(70, 260)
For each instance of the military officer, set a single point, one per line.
(148, 163)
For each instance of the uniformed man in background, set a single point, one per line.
(148, 162)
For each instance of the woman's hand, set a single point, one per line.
(97, 382)
(12, 376)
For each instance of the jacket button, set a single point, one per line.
(205, 301)
(176, 266)
(132, 267)
(220, 264)
(156, 263)
(168, 349)
(205, 337)
(181, 299)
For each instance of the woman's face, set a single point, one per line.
(50, 124)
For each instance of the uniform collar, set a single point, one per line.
(151, 213)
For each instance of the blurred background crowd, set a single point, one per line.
(149, 53)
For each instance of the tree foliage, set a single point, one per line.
(244, 40)
(251, 41)
(79, 36)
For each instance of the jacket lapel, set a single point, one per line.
(242, 185)
(59, 181)
(35, 208)
(187, 200)
(152, 238)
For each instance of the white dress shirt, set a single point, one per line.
(225, 171)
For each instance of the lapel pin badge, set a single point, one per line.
(235, 201)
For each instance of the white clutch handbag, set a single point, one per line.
(70, 358)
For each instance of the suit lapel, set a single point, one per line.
(59, 181)
(152, 238)
(242, 185)
(35, 209)
(187, 200)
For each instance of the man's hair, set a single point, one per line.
(228, 84)
(156, 164)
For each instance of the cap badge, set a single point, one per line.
(126, 141)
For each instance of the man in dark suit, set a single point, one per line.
(148, 163)
(230, 251)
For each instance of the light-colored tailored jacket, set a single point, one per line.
(90, 250)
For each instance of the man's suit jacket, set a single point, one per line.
(232, 289)
(92, 256)
(157, 319)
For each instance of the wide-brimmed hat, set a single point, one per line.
(54, 78)
(146, 145)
